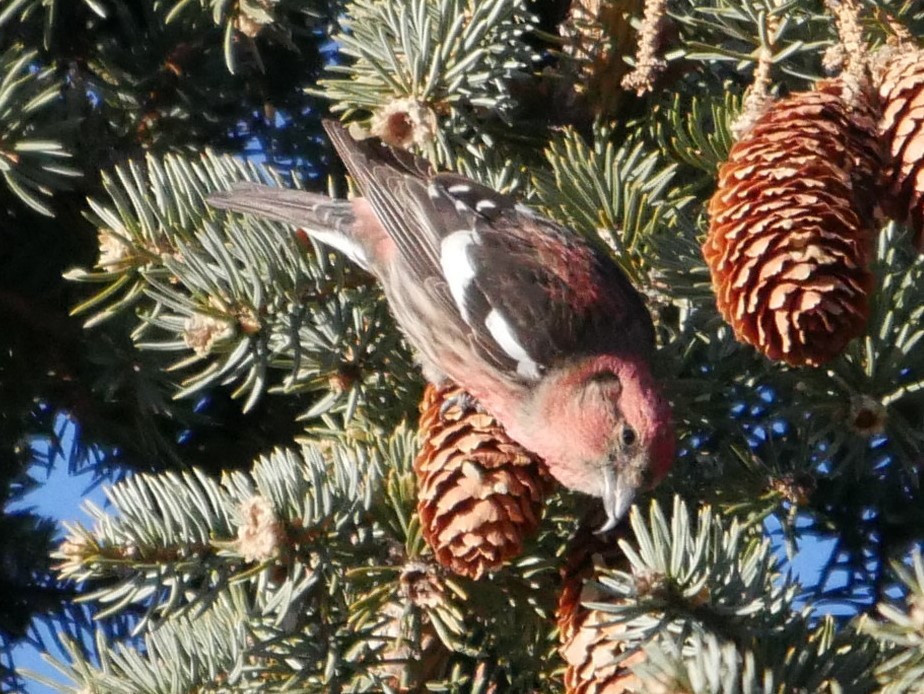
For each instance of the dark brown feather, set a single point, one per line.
(560, 295)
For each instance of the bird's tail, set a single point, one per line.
(329, 221)
(297, 207)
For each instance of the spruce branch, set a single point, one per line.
(243, 21)
(450, 60)
(758, 98)
(824, 661)
(239, 299)
(708, 572)
(697, 131)
(176, 541)
(320, 557)
(904, 17)
(213, 651)
(614, 193)
(137, 230)
(598, 40)
(33, 160)
(857, 420)
(705, 600)
(23, 11)
(500, 168)
(742, 34)
(900, 631)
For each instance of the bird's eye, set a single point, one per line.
(629, 437)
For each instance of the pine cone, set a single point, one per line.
(792, 224)
(480, 493)
(901, 90)
(590, 639)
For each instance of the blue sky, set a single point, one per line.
(59, 496)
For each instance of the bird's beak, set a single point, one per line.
(618, 494)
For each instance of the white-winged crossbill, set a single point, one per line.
(538, 324)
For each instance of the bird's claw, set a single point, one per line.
(462, 400)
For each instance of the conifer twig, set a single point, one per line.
(647, 63)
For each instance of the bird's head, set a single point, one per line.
(605, 429)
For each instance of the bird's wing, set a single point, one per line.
(394, 183)
(524, 289)
(547, 293)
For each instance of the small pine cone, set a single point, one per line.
(598, 34)
(480, 493)
(404, 122)
(407, 657)
(792, 224)
(901, 90)
(590, 639)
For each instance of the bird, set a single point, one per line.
(539, 324)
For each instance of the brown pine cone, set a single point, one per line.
(901, 90)
(480, 494)
(591, 639)
(792, 224)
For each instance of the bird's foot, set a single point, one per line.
(462, 402)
